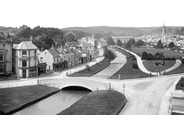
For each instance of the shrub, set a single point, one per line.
(135, 66)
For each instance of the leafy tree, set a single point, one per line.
(139, 43)
(69, 37)
(131, 42)
(128, 46)
(119, 43)
(59, 40)
(171, 45)
(159, 44)
(110, 41)
(144, 55)
(108, 54)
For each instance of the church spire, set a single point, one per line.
(163, 30)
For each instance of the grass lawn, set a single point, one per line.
(167, 53)
(13, 98)
(93, 69)
(127, 72)
(180, 69)
(180, 84)
(173, 113)
(150, 65)
(104, 102)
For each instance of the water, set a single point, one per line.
(53, 104)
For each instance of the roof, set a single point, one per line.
(2, 37)
(26, 45)
(53, 52)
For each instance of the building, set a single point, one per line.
(123, 39)
(25, 61)
(5, 55)
(51, 58)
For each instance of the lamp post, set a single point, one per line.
(124, 88)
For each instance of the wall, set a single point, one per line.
(47, 58)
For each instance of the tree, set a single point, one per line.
(119, 43)
(171, 45)
(128, 46)
(139, 43)
(159, 44)
(108, 54)
(110, 41)
(131, 42)
(144, 55)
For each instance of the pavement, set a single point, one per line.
(115, 65)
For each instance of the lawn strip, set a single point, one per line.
(105, 102)
(15, 99)
(178, 70)
(150, 65)
(127, 72)
(93, 69)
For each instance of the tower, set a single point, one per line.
(163, 35)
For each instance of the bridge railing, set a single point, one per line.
(79, 81)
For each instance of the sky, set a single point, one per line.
(83, 13)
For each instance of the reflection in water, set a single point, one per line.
(53, 104)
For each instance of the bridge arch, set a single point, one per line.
(76, 85)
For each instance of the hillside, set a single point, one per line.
(7, 29)
(122, 31)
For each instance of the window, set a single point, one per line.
(3, 45)
(1, 57)
(24, 53)
(57, 59)
(41, 58)
(2, 68)
(35, 52)
(24, 63)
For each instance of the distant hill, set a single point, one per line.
(123, 31)
(8, 29)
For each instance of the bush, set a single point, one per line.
(135, 66)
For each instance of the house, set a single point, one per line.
(25, 61)
(5, 55)
(51, 57)
(90, 48)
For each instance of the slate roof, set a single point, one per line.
(53, 52)
(26, 45)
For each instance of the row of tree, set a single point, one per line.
(46, 37)
(128, 45)
(156, 56)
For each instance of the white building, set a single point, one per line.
(25, 59)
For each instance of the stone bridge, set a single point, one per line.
(91, 84)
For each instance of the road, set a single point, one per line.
(115, 65)
(146, 94)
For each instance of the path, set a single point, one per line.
(115, 65)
